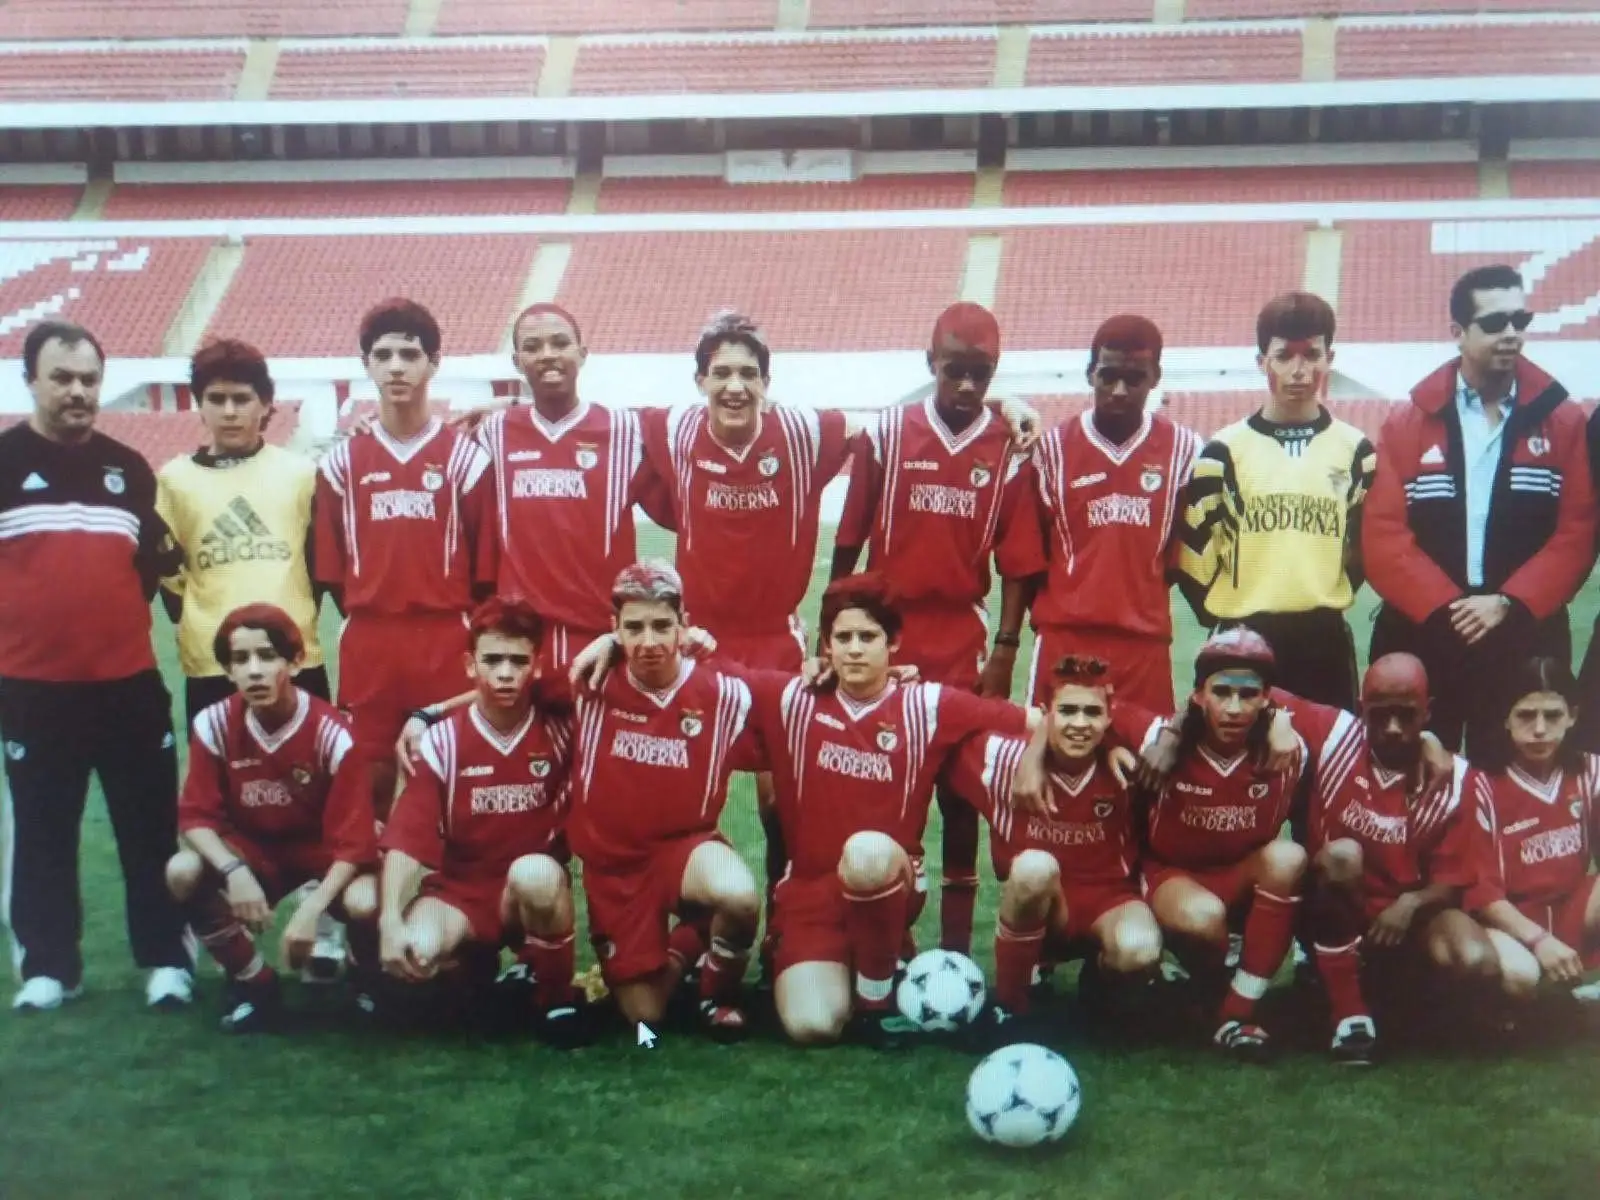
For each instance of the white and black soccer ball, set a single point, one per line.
(1023, 1095)
(942, 991)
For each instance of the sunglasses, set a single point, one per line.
(1496, 322)
(1131, 376)
(978, 373)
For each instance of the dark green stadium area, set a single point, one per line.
(105, 1100)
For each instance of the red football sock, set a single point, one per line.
(686, 945)
(227, 941)
(1268, 930)
(552, 959)
(723, 971)
(1016, 955)
(958, 892)
(875, 924)
(1340, 967)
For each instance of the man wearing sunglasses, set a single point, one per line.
(1480, 527)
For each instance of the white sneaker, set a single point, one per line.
(41, 994)
(169, 987)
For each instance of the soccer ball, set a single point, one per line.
(1022, 1095)
(942, 991)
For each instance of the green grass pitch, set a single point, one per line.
(106, 1100)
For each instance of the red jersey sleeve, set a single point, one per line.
(202, 804)
(1020, 549)
(1133, 726)
(480, 528)
(861, 501)
(1450, 861)
(329, 559)
(1483, 844)
(835, 444)
(347, 818)
(416, 823)
(963, 714)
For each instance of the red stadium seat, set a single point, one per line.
(411, 71)
(61, 19)
(619, 68)
(118, 73)
(38, 203)
(847, 291)
(1413, 51)
(586, 16)
(1546, 180)
(304, 296)
(716, 195)
(1212, 10)
(1243, 185)
(401, 198)
(1096, 59)
(826, 14)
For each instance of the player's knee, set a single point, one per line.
(1133, 950)
(183, 874)
(1339, 863)
(1035, 874)
(536, 881)
(869, 861)
(641, 1004)
(1201, 916)
(1283, 865)
(813, 1025)
(360, 899)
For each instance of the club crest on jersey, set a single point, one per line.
(301, 776)
(1258, 791)
(586, 458)
(1538, 446)
(115, 483)
(768, 466)
(981, 476)
(1104, 808)
(1150, 479)
(888, 738)
(538, 767)
(691, 724)
(432, 478)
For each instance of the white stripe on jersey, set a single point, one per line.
(891, 433)
(733, 710)
(211, 727)
(1001, 756)
(796, 706)
(69, 518)
(625, 456)
(439, 752)
(1345, 749)
(802, 434)
(921, 709)
(333, 743)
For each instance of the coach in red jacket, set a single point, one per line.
(1480, 525)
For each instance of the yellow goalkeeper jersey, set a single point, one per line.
(1271, 520)
(244, 526)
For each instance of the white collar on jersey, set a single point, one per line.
(737, 453)
(1549, 791)
(955, 443)
(1385, 777)
(405, 451)
(503, 742)
(556, 431)
(279, 737)
(1117, 454)
(664, 697)
(857, 710)
(1223, 766)
(1073, 785)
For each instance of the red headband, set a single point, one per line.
(970, 324)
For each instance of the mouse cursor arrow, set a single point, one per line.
(647, 1036)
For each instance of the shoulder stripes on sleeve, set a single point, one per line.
(211, 728)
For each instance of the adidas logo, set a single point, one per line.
(34, 482)
(1433, 456)
(240, 535)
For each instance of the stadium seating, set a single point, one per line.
(869, 290)
(1576, 180)
(209, 18)
(1244, 185)
(305, 296)
(162, 436)
(117, 73)
(128, 291)
(714, 195)
(1414, 51)
(1213, 10)
(826, 14)
(587, 16)
(1213, 280)
(410, 198)
(411, 71)
(815, 64)
(38, 203)
(1100, 60)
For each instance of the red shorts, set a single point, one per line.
(1087, 903)
(560, 644)
(1141, 668)
(477, 898)
(784, 651)
(1565, 919)
(946, 642)
(390, 665)
(1232, 885)
(807, 921)
(280, 868)
(629, 908)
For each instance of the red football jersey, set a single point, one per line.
(296, 785)
(933, 506)
(652, 766)
(402, 526)
(1110, 513)
(746, 519)
(840, 767)
(1407, 840)
(1535, 841)
(564, 496)
(1091, 836)
(480, 799)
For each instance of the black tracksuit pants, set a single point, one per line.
(54, 735)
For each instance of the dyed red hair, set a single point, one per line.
(869, 592)
(509, 616)
(282, 633)
(402, 316)
(1081, 670)
(649, 581)
(543, 309)
(1127, 333)
(230, 361)
(1294, 316)
(970, 324)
